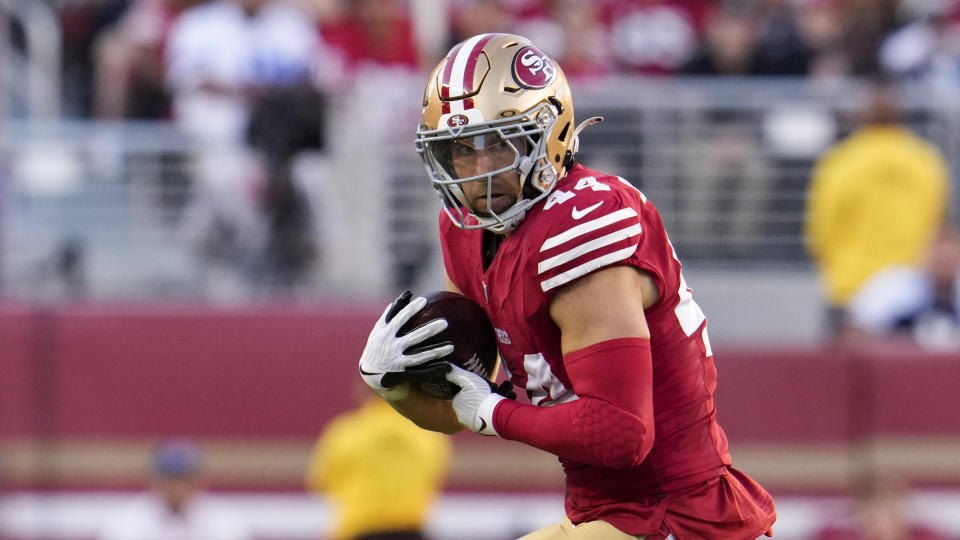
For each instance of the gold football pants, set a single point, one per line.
(591, 530)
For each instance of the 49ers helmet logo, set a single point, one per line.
(532, 69)
(457, 120)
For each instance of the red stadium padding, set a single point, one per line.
(23, 357)
(85, 390)
(911, 393)
(202, 372)
(782, 394)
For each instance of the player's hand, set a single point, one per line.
(383, 359)
(477, 398)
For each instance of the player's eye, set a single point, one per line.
(501, 148)
(462, 150)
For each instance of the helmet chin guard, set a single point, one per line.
(499, 97)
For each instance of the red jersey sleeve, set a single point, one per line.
(599, 223)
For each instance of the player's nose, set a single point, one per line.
(483, 162)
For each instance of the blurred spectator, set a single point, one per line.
(237, 70)
(285, 122)
(876, 199)
(129, 83)
(112, 47)
(654, 36)
(729, 46)
(222, 54)
(373, 32)
(751, 38)
(82, 23)
(821, 24)
(879, 512)
(866, 23)
(781, 48)
(379, 470)
(927, 46)
(475, 17)
(128, 62)
(176, 506)
(571, 32)
(919, 303)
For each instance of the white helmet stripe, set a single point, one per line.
(461, 82)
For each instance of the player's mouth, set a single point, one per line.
(498, 202)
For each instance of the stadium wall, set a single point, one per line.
(85, 392)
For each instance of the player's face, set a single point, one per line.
(478, 157)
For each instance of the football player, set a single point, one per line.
(592, 314)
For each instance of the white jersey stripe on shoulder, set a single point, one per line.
(586, 227)
(459, 72)
(587, 247)
(586, 268)
(635, 188)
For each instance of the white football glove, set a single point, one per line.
(383, 359)
(475, 401)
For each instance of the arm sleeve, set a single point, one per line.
(610, 425)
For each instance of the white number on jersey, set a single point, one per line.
(592, 183)
(542, 384)
(688, 312)
(558, 197)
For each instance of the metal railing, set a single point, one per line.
(726, 161)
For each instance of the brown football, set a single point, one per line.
(468, 329)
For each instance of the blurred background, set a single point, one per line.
(204, 206)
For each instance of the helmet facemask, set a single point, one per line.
(486, 154)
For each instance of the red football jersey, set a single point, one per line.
(591, 221)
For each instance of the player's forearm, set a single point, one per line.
(428, 412)
(588, 430)
(611, 425)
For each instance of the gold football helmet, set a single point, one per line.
(499, 104)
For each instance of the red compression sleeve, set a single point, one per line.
(611, 425)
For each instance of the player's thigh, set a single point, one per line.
(592, 530)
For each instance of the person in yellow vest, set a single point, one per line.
(876, 198)
(379, 470)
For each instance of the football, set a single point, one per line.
(468, 329)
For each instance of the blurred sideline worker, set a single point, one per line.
(175, 507)
(380, 471)
(876, 199)
(919, 303)
(593, 316)
(879, 512)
